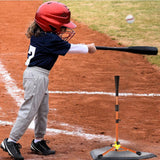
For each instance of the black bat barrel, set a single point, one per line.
(145, 50)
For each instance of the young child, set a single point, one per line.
(49, 35)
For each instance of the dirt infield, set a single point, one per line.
(82, 121)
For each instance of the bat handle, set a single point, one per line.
(117, 84)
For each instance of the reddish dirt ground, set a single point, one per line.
(140, 116)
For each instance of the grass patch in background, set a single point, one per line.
(154, 60)
(108, 16)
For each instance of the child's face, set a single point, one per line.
(66, 33)
(63, 30)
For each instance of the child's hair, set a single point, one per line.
(33, 30)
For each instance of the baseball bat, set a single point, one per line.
(145, 50)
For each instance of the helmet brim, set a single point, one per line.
(70, 25)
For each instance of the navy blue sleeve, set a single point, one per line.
(60, 47)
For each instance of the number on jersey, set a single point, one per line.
(31, 53)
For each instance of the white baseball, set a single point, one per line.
(130, 19)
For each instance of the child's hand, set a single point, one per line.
(91, 48)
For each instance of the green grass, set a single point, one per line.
(154, 60)
(108, 16)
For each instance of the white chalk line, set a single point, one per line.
(106, 93)
(10, 85)
(82, 134)
(100, 93)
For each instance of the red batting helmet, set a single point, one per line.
(55, 15)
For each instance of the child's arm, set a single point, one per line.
(82, 48)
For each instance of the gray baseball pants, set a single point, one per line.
(35, 106)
